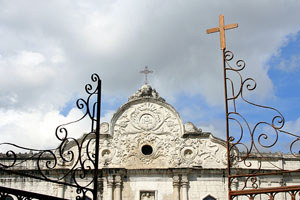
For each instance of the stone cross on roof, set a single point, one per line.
(222, 29)
(146, 71)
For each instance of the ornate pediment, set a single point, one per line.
(147, 132)
(148, 150)
(147, 116)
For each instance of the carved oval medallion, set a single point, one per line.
(147, 121)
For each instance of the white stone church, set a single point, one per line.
(148, 153)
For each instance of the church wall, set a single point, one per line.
(29, 184)
(192, 184)
(291, 164)
(270, 162)
(42, 186)
(162, 186)
(207, 182)
(136, 183)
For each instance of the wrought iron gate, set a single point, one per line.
(77, 159)
(253, 136)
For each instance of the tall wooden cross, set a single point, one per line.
(146, 71)
(222, 29)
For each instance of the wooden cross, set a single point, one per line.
(222, 29)
(146, 71)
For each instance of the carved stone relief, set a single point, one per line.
(213, 152)
(150, 117)
(149, 135)
(188, 152)
(150, 150)
(146, 149)
(104, 128)
(107, 152)
(147, 195)
(145, 134)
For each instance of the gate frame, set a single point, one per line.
(277, 123)
(232, 146)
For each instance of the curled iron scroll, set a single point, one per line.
(253, 137)
(77, 156)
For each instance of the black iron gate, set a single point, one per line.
(77, 159)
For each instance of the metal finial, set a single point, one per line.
(146, 71)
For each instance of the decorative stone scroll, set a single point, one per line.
(148, 117)
(146, 132)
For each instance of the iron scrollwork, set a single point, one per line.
(77, 157)
(254, 138)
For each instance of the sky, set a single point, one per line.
(49, 49)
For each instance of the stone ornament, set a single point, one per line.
(147, 116)
(146, 91)
(189, 127)
(188, 153)
(107, 155)
(104, 128)
(147, 132)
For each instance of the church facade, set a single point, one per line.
(148, 153)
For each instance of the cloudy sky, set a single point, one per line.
(49, 49)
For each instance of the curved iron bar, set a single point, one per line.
(271, 195)
(259, 139)
(75, 155)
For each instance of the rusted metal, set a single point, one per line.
(257, 139)
(249, 137)
(266, 190)
(81, 156)
(227, 123)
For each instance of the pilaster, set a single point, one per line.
(118, 184)
(176, 187)
(110, 185)
(185, 185)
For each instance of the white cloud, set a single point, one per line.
(29, 59)
(36, 129)
(216, 127)
(293, 126)
(290, 64)
(50, 49)
(118, 38)
(27, 82)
